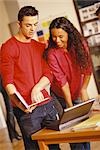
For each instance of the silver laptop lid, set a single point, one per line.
(77, 111)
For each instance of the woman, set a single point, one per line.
(69, 59)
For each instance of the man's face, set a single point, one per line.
(28, 26)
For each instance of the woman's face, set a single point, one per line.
(60, 37)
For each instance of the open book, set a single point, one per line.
(19, 97)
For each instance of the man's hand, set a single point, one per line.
(36, 95)
(10, 89)
(30, 109)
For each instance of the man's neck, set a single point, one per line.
(22, 38)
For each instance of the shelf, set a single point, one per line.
(97, 46)
(90, 20)
(95, 51)
(92, 35)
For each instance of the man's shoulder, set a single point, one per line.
(9, 42)
(38, 44)
(9, 46)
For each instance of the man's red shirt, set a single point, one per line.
(22, 64)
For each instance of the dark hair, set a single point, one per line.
(97, 11)
(27, 11)
(75, 40)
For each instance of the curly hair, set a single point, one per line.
(75, 40)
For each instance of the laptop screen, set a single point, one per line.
(77, 111)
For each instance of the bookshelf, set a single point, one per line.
(90, 27)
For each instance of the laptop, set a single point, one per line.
(73, 115)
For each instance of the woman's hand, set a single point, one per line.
(84, 95)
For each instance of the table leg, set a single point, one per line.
(42, 145)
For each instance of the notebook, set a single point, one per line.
(72, 116)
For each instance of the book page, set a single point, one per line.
(21, 99)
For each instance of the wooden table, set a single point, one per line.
(46, 136)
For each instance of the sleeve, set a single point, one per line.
(7, 64)
(89, 69)
(45, 67)
(56, 69)
(47, 71)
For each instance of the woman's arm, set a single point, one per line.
(67, 95)
(86, 72)
(60, 78)
(83, 93)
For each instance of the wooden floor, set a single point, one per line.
(5, 143)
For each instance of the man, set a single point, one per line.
(23, 69)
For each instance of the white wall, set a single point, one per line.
(4, 20)
(51, 8)
(92, 89)
(12, 8)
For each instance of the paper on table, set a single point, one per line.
(92, 122)
(96, 105)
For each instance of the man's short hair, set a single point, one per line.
(27, 11)
(97, 11)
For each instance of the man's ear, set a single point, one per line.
(18, 24)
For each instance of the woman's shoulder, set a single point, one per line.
(55, 51)
(56, 54)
